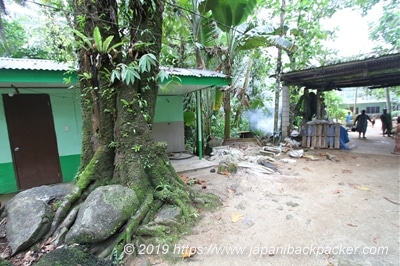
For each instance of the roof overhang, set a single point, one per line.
(33, 73)
(182, 81)
(376, 72)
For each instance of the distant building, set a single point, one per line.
(365, 101)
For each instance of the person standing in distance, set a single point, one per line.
(386, 119)
(362, 123)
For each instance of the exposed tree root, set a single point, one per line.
(126, 236)
(83, 182)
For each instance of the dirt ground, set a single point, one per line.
(314, 213)
(321, 212)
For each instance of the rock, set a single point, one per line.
(2, 230)
(228, 164)
(45, 193)
(296, 153)
(28, 221)
(292, 204)
(212, 142)
(104, 211)
(71, 257)
(168, 214)
(289, 217)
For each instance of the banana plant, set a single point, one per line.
(230, 17)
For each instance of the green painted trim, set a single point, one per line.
(7, 178)
(40, 76)
(69, 166)
(36, 76)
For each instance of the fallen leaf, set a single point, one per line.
(337, 191)
(184, 178)
(236, 217)
(231, 191)
(189, 252)
(362, 188)
(307, 169)
(359, 187)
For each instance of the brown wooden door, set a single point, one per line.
(32, 139)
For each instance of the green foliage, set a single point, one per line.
(137, 148)
(99, 45)
(146, 62)
(386, 29)
(16, 39)
(264, 36)
(189, 118)
(126, 73)
(228, 13)
(333, 102)
(49, 39)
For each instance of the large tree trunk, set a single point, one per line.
(117, 147)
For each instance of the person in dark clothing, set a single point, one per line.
(386, 119)
(362, 123)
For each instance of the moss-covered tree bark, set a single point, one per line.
(117, 109)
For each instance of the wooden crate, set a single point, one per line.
(321, 136)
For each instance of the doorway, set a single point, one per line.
(33, 140)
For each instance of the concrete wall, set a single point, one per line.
(168, 123)
(67, 122)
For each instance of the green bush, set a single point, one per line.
(395, 113)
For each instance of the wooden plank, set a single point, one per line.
(304, 137)
(309, 135)
(337, 136)
(319, 136)
(314, 136)
(324, 143)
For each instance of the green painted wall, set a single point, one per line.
(8, 182)
(169, 109)
(67, 122)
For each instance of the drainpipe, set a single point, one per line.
(199, 129)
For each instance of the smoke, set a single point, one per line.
(262, 121)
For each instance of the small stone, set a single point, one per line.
(280, 208)
(292, 204)
(289, 217)
(341, 183)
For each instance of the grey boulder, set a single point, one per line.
(104, 211)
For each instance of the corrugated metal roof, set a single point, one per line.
(32, 64)
(192, 72)
(40, 64)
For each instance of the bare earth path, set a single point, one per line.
(314, 213)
